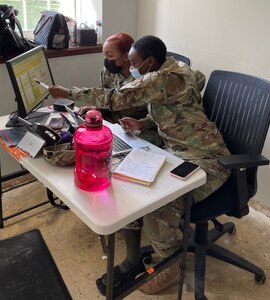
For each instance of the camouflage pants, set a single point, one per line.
(162, 226)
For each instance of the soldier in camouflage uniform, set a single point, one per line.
(114, 74)
(172, 95)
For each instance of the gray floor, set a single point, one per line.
(77, 250)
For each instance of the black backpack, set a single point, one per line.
(11, 42)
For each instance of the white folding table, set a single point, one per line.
(123, 202)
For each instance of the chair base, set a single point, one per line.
(201, 243)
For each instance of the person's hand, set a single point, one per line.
(130, 124)
(58, 91)
(85, 109)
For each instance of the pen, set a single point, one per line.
(42, 84)
(74, 114)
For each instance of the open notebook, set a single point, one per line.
(140, 166)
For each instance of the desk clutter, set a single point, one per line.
(12, 136)
(62, 155)
(86, 144)
(31, 137)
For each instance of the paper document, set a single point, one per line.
(31, 143)
(140, 166)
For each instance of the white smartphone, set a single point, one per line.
(184, 170)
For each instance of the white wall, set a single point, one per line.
(214, 33)
(229, 35)
(119, 16)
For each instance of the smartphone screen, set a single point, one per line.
(184, 170)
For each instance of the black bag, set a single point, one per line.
(52, 30)
(11, 42)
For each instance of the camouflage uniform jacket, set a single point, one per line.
(175, 105)
(113, 81)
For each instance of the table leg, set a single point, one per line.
(183, 257)
(110, 265)
(3, 179)
(1, 209)
(52, 199)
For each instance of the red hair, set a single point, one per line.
(122, 40)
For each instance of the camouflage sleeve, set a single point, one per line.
(101, 78)
(153, 87)
(99, 97)
(105, 78)
(200, 78)
(148, 122)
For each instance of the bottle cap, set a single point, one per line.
(93, 118)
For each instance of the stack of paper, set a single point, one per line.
(140, 166)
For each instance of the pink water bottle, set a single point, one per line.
(93, 147)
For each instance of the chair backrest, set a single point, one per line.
(179, 57)
(239, 104)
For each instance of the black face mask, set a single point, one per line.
(111, 66)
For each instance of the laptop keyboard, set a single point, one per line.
(120, 146)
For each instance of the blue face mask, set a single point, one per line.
(135, 73)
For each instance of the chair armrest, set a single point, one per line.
(237, 161)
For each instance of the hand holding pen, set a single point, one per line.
(42, 84)
(58, 91)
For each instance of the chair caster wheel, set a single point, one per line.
(260, 278)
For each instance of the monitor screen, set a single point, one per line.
(23, 70)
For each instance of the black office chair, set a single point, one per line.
(239, 104)
(179, 57)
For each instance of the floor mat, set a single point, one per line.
(28, 271)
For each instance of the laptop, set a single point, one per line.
(123, 142)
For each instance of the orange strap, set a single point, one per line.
(14, 151)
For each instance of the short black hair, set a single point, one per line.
(150, 45)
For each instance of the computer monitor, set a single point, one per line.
(23, 70)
